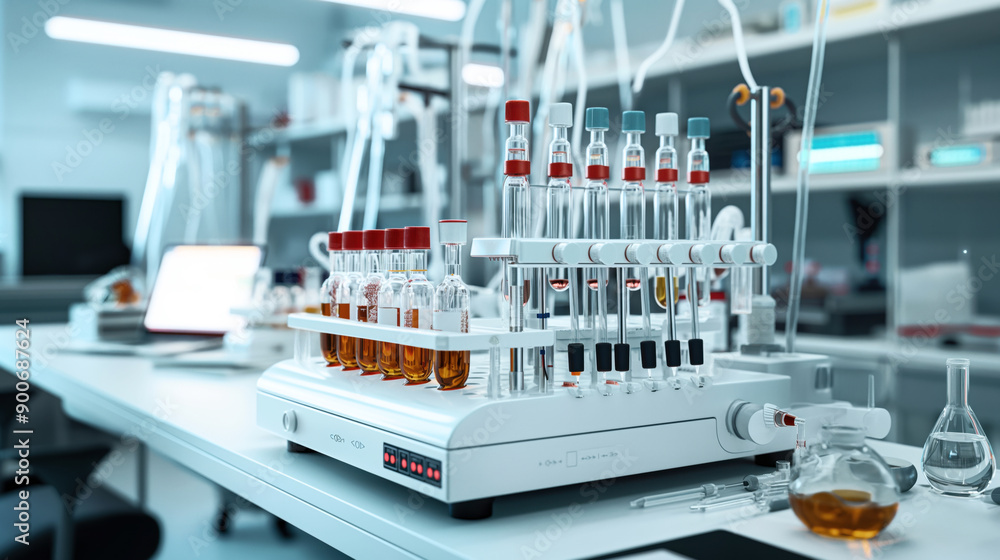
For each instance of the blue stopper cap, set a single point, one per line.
(633, 121)
(699, 127)
(598, 118)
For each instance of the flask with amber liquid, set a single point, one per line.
(418, 305)
(328, 297)
(366, 299)
(390, 297)
(353, 241)
(451, 306)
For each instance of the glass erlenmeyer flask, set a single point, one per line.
(958, 459)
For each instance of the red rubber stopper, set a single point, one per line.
(633, 173)
(373, 240)
(515, 167)
(517, 110)
(560, 170)
(598, 172)
(335, 241)
(697, 177)
(417, 237)
(666, 175)
(354, 240)
(394, 238)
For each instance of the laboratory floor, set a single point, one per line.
(185, 505)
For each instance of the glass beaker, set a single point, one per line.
(958, 459)
(842, 488)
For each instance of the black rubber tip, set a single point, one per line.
(622, 357)
(576, 358)
(603, 356)
(673, 348)
(647, 351)
(696, 351)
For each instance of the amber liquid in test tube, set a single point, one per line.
(367, 298)
(451, 307)
(346, 309)
(390, 298)
(328, 295)
(418, 305)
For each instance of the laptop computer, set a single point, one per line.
(190, 303)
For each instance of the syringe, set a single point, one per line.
(703, 491)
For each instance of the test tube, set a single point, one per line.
(698, 200)
(558, 194)
(516, 223)
(633, 223)
(596, 223)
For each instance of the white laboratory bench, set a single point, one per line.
(207, 423)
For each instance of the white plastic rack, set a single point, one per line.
(483, 334)
(602, 253)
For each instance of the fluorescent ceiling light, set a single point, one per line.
(448, 10)
(482, 75)
(168, 40)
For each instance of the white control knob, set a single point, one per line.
(288, 421)
(747, 422)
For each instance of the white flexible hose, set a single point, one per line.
(741, 49)
(640, 74)
(802, 199)
(621, 53)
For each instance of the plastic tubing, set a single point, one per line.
(621, 53)
(802, 198)
(581, 93)
(741, 49)
(640, 74)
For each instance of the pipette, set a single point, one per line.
(697, 205)
(595, 226)
(772, 498)
(633, 226)
(754, 482)
(665, 227)
(703, 491)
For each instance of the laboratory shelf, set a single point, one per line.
(917, 177)
(484, 333)
(732, 184)
(395, 202)
(696, 53)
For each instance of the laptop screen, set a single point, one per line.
(198, 285)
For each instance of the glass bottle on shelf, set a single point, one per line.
(418, 305)
(698, 201)
(328, 296)
(366, 300)
(451, 306)
(665, 223)
(353, 241)
(390, 297)
(842, 488)
(559, 193)
(958, 459)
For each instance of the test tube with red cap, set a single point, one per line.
(418, 305)
(373, 243)
(353, 243)
(328, 296)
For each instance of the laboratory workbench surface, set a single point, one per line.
(207, 423)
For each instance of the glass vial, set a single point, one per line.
(451, 306)
(390, 301)
(328, 296)
(633, 197)
(559, 194)
(353, 242)
(418, 305)
(698, 201)
(958, 459)
(665, 222)
(516, 194)
(366, 299)
(596, 218)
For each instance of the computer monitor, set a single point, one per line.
(68, 235)
(197, 287)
